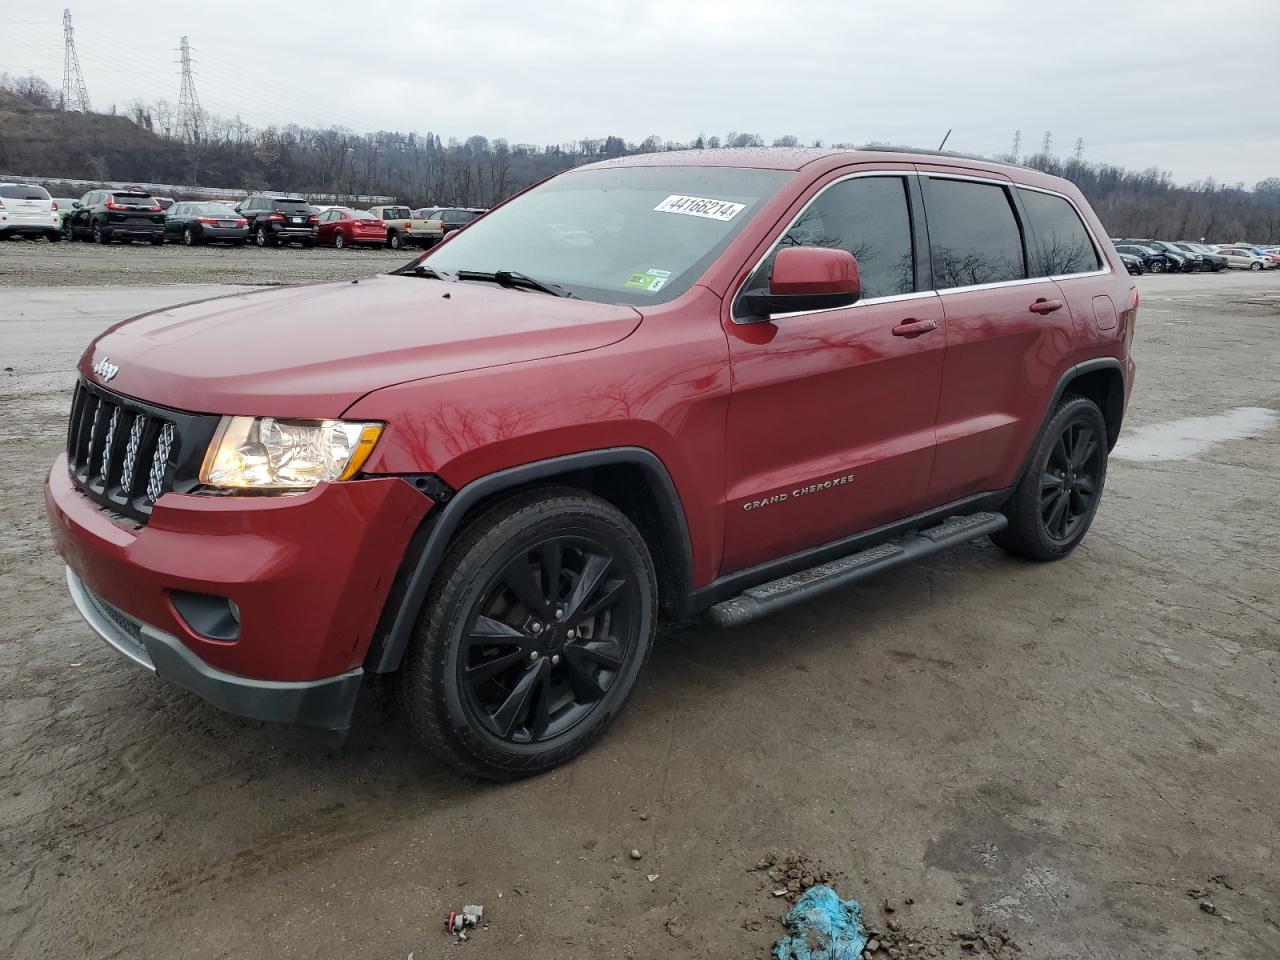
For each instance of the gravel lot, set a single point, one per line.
(1080, 752)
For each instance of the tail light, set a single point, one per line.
(208, 221)
(275, 216)
(112, 205)
(312, 218)
(242, 223)
(55, 206)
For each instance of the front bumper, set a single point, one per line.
(323, 704)
(308, 573)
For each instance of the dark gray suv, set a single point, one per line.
(274, 220)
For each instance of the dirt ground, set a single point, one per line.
(1080, 752)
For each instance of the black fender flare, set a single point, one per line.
(427, 548)
(1071, 373)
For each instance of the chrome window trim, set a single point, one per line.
(933, 292)
(901, 175)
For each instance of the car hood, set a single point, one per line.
(312, 351)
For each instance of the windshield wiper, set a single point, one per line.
(510, 278)
(431, 273)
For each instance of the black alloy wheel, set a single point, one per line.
(548, 638)
(1057, 496)
(1069, 483)
(532, 635)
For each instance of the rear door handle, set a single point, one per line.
(1043, 306)
(914, 328)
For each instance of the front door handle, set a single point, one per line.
(1043, 306)
(914, 328)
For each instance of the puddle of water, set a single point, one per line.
(1186, 439)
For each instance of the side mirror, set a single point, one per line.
(806, 278)
(75, 205)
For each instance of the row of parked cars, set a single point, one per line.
(1186, 256)
(265, 219)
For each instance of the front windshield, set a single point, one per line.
(619, 235)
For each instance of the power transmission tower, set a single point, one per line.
(1017, 144)
(1079, 151)
(1046, 145)
(189, 115)
(75, 96)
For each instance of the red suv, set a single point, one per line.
(718, 381)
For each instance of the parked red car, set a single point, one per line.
(727, 382)
(344, 227)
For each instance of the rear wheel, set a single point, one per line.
(260, 237)
(536, 627)
(394, 241)
(54, 236)
(1055, 501)
(158, 241)
(188, 237)
(99, 235)
(339, 241)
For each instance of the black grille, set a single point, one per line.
(125, 454)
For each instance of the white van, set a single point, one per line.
(28, 209)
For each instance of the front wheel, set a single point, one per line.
(532, 636)
(1055, 501)
(1255, 266)
(1157, 267)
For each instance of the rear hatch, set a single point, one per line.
(26, 203)
(134, 210)
(296, 213)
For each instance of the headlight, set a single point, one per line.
(264, 453)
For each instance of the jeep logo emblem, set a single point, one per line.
(105, 369)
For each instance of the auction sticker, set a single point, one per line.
(651, 280)
(701, 207)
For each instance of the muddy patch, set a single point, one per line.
(1190, 437)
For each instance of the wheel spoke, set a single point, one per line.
(593, 572)
(601, 654)
(1083, 447)
(607, 597)
(551, 557)
(519, 576)
(1056, 515)
(494, 633)
(585, 687)
(516, 706)
(494, 666)
(540, 715)
(1060, 454)
(1085, 485)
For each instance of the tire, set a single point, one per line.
(1157, 266)
(1255, 266)
(394, 241)
(99, 235)
(54, 236)
(188, 238)
(1069, 461)
(261, 239)
(339, 241)
(570, 695)
(158, 241)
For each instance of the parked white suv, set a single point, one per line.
(1243, 258)
(28, 209)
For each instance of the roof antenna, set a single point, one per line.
(944, 140)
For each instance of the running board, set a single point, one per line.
(807, 584)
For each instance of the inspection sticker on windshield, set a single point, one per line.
(701, 207)
(650, 280)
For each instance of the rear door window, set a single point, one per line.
(1059, 243)
(868, 216)
(973, 234)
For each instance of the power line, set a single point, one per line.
(75, 96)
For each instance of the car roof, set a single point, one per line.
(823, 158)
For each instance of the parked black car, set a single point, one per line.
(194, 223)
(274, 220)
(1210, 260)
(106, 215)
(1153, 261)
(1133, 263)
(1179, 260)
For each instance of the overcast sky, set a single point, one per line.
(1191, 86)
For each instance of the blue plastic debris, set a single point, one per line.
(821, 926)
